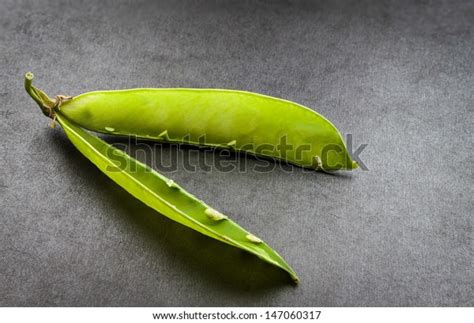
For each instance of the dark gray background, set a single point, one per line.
(397, 75)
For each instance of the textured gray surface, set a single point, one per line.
(396, 75)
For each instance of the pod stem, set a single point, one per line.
(47, 104)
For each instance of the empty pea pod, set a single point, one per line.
(155, 190)
(237, 120)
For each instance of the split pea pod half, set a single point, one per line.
(237, 120)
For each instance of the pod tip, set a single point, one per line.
(355, 165)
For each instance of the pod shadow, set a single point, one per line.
(220, 155)
(218, 264)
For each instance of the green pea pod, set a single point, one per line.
(155, 190)
(238, 120)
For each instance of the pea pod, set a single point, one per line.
(238, 120)
(154, 189)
